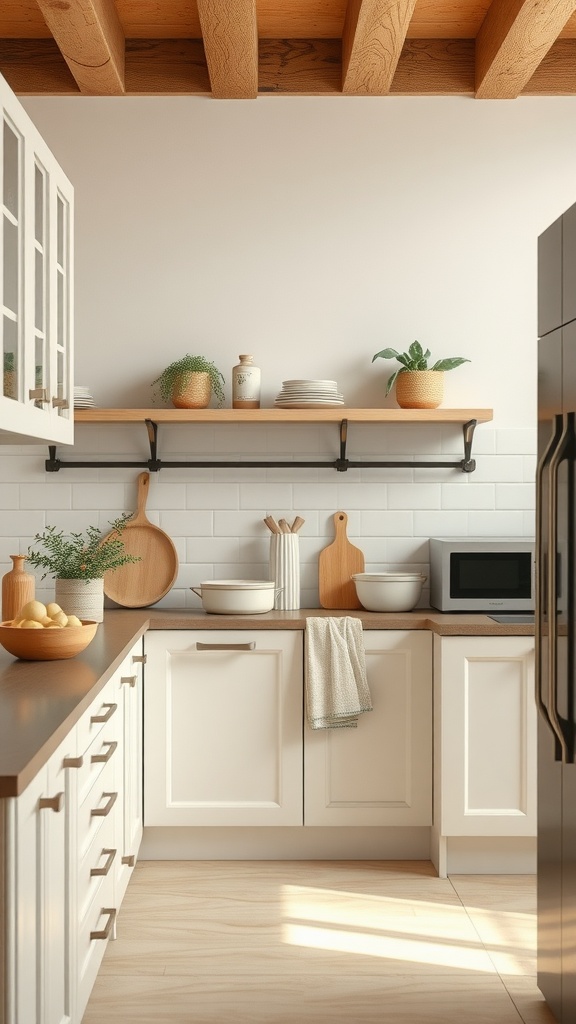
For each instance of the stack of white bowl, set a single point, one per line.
(388, 591)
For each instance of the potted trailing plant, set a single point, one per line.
(78, 562)
(418, 385)
(189, 383)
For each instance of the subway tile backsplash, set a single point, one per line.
(214, 515)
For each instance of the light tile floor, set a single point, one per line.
(361, 942)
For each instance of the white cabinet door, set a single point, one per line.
(36, 285)
(379, 773)
(38, 907)
(485, 747)
(223, 727)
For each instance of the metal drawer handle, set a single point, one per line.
(72, 762)
(102, 812)
(104, 758)
(107, 714)
(60, 403)
(129, 859)
(53, 803)
(110, 854)
(105, 933)
(226, 647)
(141, 658)
(131, 680)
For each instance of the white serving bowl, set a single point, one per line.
(237, 597)
(388, 595)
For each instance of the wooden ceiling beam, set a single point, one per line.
(289, 67)
(230, 35)
(372, 41)
(89, 35)
(514, 38)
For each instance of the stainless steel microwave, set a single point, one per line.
(482, 574)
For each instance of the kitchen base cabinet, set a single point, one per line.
(108, 817)
(39, 928)
(223, 727)
(379, 773)
(68, 846)
(485, 740)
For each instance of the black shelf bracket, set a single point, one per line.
(341, 464)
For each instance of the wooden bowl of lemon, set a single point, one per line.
(45, 633)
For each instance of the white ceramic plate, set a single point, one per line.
(307, 405)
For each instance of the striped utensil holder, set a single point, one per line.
(284, 569)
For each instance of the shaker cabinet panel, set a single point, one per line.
(223, 728)
(486, 736)
(379, 773)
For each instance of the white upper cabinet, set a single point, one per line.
(36, 283)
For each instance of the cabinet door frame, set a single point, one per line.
(460, 771)
(281, 715)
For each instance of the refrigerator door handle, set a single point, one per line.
(558, 456)
(540, 588)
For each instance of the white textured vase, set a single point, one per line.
(284, 569)
(84, 598)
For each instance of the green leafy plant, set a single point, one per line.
(182, 368)
(81, 555)
(416, 359)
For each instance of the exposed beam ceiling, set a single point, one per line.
(237, 49)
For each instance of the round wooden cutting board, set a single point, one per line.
(142, 583)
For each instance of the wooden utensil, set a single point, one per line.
(336, 564)
(140, 584)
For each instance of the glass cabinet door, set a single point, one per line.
(35, 282)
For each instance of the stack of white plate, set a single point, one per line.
(82, 398)
(306, 394)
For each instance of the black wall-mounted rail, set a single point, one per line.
(341, 464)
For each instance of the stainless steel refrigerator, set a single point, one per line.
(555, 616)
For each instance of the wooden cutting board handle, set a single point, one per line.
(336, 564)
(140, 516)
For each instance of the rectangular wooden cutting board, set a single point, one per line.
(336, 564)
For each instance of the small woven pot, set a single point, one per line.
(420, 389)
(84, 598)
(192, 391)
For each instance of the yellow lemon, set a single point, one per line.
(52, 609)
(73, 620)
(31, 624)
(33, 610)
(60, 618)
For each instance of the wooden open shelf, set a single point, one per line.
(333, 415)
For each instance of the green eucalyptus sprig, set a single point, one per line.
(416, 359)
(81, 555)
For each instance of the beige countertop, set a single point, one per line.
(41, 701)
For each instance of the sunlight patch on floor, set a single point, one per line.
(415, 930)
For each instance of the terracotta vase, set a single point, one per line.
(192, 391)
(18, 587)
(420, 389)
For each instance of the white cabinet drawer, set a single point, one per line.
(102, 750)
(103, 710)
(96, 929)
(98, 862)
(93, 812)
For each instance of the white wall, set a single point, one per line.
(311, 232)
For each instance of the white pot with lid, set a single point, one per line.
(237, 597)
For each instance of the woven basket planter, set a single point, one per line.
(192, 391)
(84, 598)
(420, 389)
